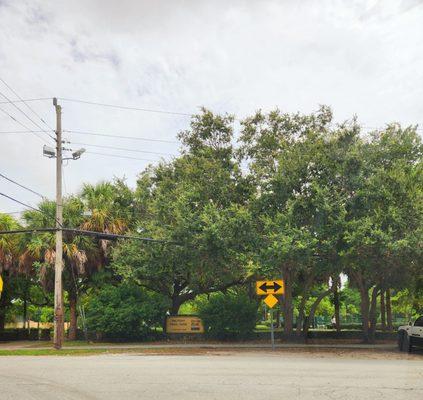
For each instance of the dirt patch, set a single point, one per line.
(375, 354)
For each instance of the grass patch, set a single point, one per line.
(75, 343)
(51, 352)
(88, 352)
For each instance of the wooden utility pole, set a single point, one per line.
(58, 266)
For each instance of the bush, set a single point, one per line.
(228, 316)
(124, 312)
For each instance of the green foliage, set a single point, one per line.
(198, 202)
(298, 198)
(124, 311)
(350, 301)
(228, 316)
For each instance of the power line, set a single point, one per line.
(28, 106)
(121, 136)
(98, 235)
(22, 186)
(122, 149)
(12, 212)
(26, 100)
(126, 107)
(28, 206)
(21, 203)
(26, 115)
(15, 132)
(23, 125)
(119, 156)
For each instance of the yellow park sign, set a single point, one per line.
(184, 324)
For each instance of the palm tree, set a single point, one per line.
(105, 207)
(110, 209)
(9, 253)
(79, 252)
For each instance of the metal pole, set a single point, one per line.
(58, 266)
(272, 330)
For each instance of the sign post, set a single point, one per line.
(269, 289)
(272, 330)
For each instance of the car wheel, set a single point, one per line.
(406, 344)
(400, 341)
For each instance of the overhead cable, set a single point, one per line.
(24, 126)
(122, 149)
(22, 186)
(28, 206)
(27, 116)
(26, 103)
(120, 136)
(126, 107)
(119, 156)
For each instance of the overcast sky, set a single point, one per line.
(359, 57)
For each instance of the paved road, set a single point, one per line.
(242, 375)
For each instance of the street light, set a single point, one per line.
(49, 152)
(77, 154)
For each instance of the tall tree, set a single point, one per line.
(383, 233)
(299, 214)
(80, 253)
(197, 202)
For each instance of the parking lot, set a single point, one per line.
(222, 374)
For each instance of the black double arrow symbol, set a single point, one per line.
(265, 287)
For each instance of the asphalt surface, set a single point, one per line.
(227, 375)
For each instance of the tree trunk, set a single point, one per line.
(278, 318)
(25, 312)
(337, 304)
(388, 310)
(373, 314)
(301, 308)
(73, 316)
(4, 300)
(364, 307)
(287, 304)
(301, 313)
(176, 305)
(2, 318)
(382, 310)
(313, 309)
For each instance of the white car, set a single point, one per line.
(411, 335)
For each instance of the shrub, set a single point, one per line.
(228, 316)
(124, 312)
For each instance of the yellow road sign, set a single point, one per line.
(271, 300)
(270, 287)
(1, 284)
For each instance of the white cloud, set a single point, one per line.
(360, 57)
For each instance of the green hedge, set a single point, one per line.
(228, 316)
(124, 312)
(7, 335)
